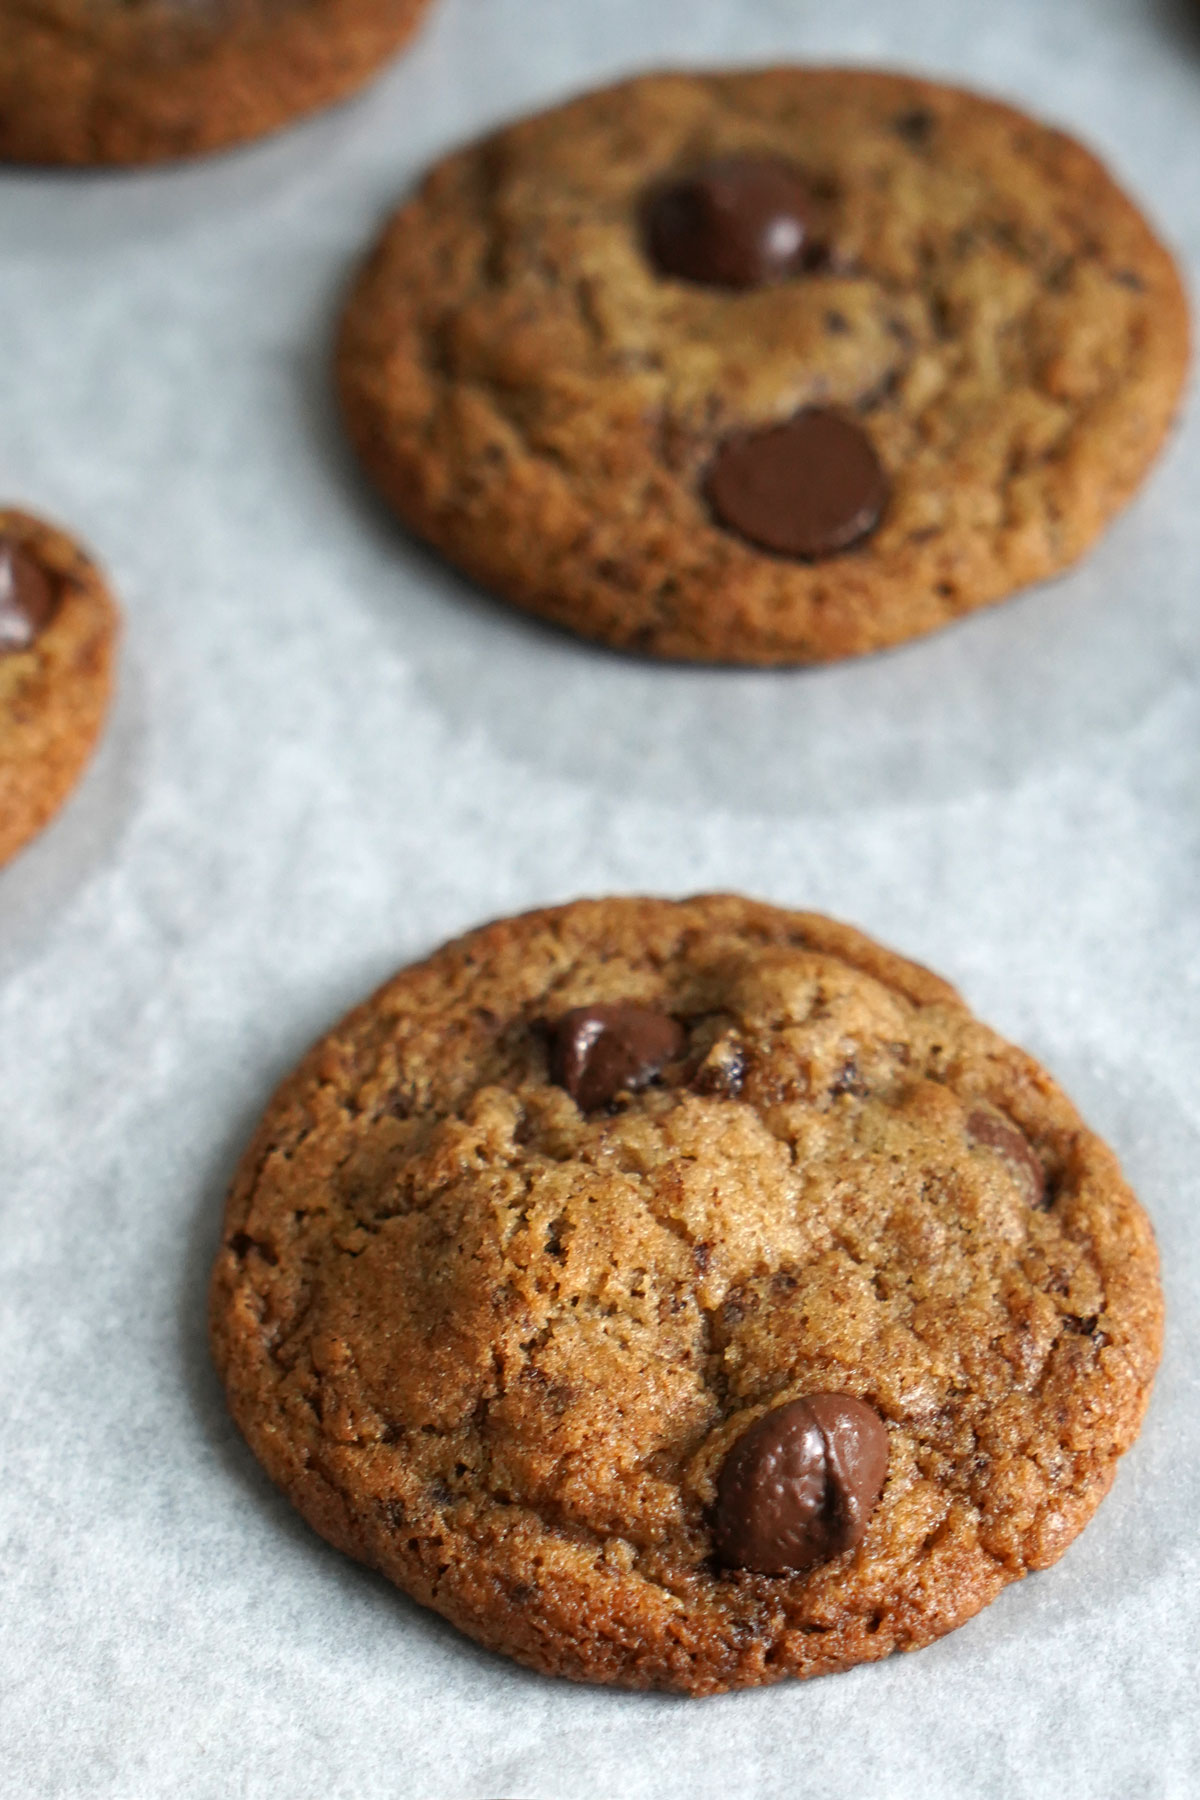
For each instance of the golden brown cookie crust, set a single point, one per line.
(498, 1348)
(536, 402)
(54, 695)
(138, 81)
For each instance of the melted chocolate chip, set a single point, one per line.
(598, 1051)
(27, 599)
(740, 222)
(809, 488)
(994, 1132)
(800, 1486)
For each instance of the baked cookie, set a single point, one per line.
(58, 628)
(137, 81)
(764, 368)
(684, 1295)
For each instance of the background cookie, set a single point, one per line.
(548, 1254)
(570, 361)
(133, 81)
(58, 628)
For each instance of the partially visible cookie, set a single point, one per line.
(58, 628)
(137, 81)
(774, 367)
(684, 1295)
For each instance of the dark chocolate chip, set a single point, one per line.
(809, 488)
(740, 222)
(992, 1131)
(27, 599)
(800, 1486)
(598, 1051)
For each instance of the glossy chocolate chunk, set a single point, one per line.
(800, 1486)
(993, 1131)
(740, 222)
(808, 489)
(27, 599)
(598, 1051)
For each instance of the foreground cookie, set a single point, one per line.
(58, 627)
(134, 81)
(684, 1295)
(764, 368)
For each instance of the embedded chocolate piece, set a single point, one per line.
(993, 1131)
(800, 1485)
(27, 600)
(809, 488)
(740, 222)
(597, 1051)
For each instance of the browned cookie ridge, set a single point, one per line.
(684, 1295)
(137, 81)
(559, 341)
(58, 627)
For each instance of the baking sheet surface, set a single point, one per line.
(330, 753)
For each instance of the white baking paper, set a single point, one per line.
(330, 753)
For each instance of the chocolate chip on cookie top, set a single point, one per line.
(598, 358)
(800, 1486)
(809, 488)
(27, 597)
(739, 222)
(990, 1130)
(599, 1051)
(769, 1367)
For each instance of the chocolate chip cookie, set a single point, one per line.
(775, 367)
(684, 1295)
(58, 628)
(136, 81)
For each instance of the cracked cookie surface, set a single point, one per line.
(136, 81)
(499, 1347)
(543, 406)
(55, 688)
